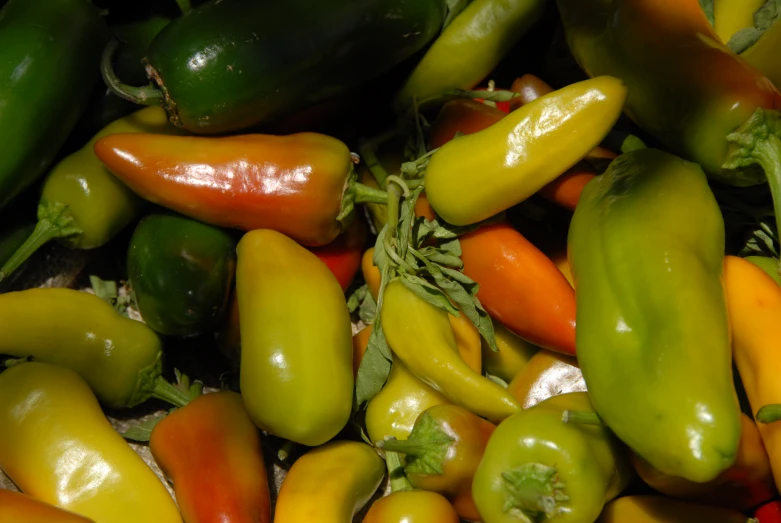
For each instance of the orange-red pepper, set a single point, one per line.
(545, 375)
(462, 115)
(16, 507)
(343, 255)
(412, 506)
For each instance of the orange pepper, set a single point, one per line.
(462, 115)
(546, 374)
(412, 506)
(16, 507)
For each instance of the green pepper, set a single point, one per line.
(537, 468)
(49, 55)
(646, 246)
(767, 264)
(181, 273)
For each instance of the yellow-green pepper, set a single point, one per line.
(513, 354)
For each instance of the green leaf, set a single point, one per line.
(764, 18)
(463, 294)
(454, 7)
(425, 449)
(430, 293)
(368, 309)
(375, 366)
(497, 380)
(744, 39)
(356, 298)
(143, 431)
(105, 290)
(707, 7)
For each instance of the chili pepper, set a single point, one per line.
(502, 106)
(442, 454)
(767, 264)
(465, 116)
(212, 452)
(632, 261)
(513, 355)
(181, 273)
(343, 255)
(301, 185)
(657, 509)
(120, 358)
(409, 323)
(559, 257)
(537, 467)
(545, 375)
(329, 484)
(15, 506)
(685, 87)
(58, 447)
(82, 205)
(296, 349)
(745, 485)
(520, 154)
(520, 286)
(49, 67)
(229, 65)
(769, 512)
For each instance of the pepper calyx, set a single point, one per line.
(147, 95)
(355, 192)
(151, 384)
(533, 492)
(769, 414)
(425, 449)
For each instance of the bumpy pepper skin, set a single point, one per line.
(181, 273)
(657, 509)
(329, 484)
(15, 506)
(513, 355)
(412, 506)
(537, 467)
(58, 447)
(296, 340)
(767, 264)
(411, 324)
(479, 175)
(638, 276)
(293, 184)
(545, 375)
(214, 433)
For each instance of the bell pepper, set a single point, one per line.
(513, 355)
(443, 452)
(181, 273)
(657, 509)
(767, 264)
(120, 358)
(58, 447)
(301, 185)
(546, 374)
(296, 340)
(329, 484)
(421, 336)
(522, 152)
(211, 451)
(50, 54)
(745, 485)
(638, 275)
(537, 468)
(82, 205)
(229, 66)
(520, 286)
(343, 255)
(686, 88)
(15, 506)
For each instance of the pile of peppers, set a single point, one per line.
(352, 262)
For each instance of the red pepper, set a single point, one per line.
(343, 255)
(501, 106)
(16, 507)
(769, 513)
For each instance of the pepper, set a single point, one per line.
(462, 115)
(521, 153)
(82, 205)
(760, 54)
(657, 509)
(768, 513)
(638, 275)
(537, 468)
(343, 255)
(443, 452)
(120, 358)
(58, 447)
(212, 452)
(520, 286)
(411, 323)
(48, 67)
(767, 264)
(545, 375)
(296, 350)
(729, 16)
(513, 355)
(15, 506)
(329, 484)
(181, 273)
(685, 87)
(301, 185)
(229, 65)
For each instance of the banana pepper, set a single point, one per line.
(15, 506)
(656, 509)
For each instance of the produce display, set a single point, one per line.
(390, 261)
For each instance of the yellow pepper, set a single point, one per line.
(546, 374)
(730, 16)
(513, 355)
(656, 509)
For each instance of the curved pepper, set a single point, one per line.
(211, 451)
(296, 349)
(329, 484)
(513, 355)
(767, 264)
(639, 274)
(15, 506)
(300, 185)
(58, 446)
(411, 506)
(476, 176)
(545, 375)
(657, 509)
(538, 468)
(120, 358)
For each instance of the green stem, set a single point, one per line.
(533, 492)
(285, 450)
(769, 413)
(184, 5)
(398, 479)
(581, 418)
(768, 155)
(365, 194)
(394, 195)
(147, 95)
(406, 447)
(168, 392)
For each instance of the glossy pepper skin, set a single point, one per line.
(58, 447)
(296, 340)
(520, 286)
(181, 273)
(294, 184)
(15, 506)
(443, 452)
(120, 358)
(638, 275)
(538, 467)
(519, 154)
(546, 374)
(658, 509)
(412, 506)
(329, 484)
(214, 433)
(48, 70)
(513, 355)
(229, 65)
(411, 324)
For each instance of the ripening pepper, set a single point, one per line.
(343, 255)
(212, 452)
(302, 185)
(546, 374)
(18, 507)
(768, 513)
(638, 275)
(411, 506)
(767, 264)
(538, 468)
(58, 447)
(658, 509)
(513, 355)
(462, 115)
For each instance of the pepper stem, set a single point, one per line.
(581, 418)
(533, 492)
(366, 194)
(168, 392)
(147, 95)
(406, 447)
(398, 479)
(769, 414)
